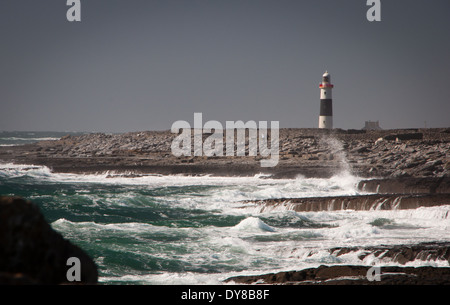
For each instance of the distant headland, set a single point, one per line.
(314, 152)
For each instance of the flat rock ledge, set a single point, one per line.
(357, 274)
(401, 254)
(357, 203)
(406, 185)
(31, 252)
(352, 275)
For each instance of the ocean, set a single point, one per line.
(11, 138)
(197, 230)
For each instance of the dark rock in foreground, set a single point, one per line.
(352, 275)
(31, 252)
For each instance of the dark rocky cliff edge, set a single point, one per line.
(31, 252)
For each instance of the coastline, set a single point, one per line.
(397, 169)
(312, 153)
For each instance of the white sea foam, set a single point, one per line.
(258, 248)
(169, 278)
(257, 242)
(226, 193)
(20, 170)
(31, 139)
(253, 224)
(342, 182)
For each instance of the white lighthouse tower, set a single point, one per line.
(326, 102)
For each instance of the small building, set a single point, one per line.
(369, 125)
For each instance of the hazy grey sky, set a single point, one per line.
(142, 64)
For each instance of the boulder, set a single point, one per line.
(31, 252)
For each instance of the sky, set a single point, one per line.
(135, 65)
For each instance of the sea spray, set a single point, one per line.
(337, 151)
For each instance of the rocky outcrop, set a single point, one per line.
(358, 203)
(352, 275)
(410, 185)
(402, 254)
(307, 152)
(31, 252)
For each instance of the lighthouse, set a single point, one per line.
(326, 102)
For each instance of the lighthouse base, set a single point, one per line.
(325, 122)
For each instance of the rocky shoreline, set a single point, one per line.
(358, 274)
(351, 275)
(306, 152)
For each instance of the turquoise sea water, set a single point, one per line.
(197, 230)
